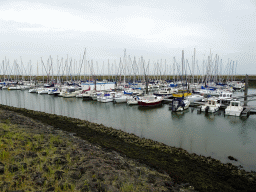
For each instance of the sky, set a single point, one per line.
(32, 32)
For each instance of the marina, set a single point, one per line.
(128, 96)
(209, 134)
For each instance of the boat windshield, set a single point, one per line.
(234, 104)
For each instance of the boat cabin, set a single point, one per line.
(225, 95)
(71, 90)
(235, 103)
(225, 98)
(212, 102)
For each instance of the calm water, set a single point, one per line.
(209, 135)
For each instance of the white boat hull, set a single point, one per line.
(69, 95)
(211, 109)
(32, 90)
(132, 102)
(122, 99)
(185, 107)
(106, 99)
(45, 91)
(79, 96)
(234, 110)
(14, 88)
(233, 113)
(195, 98)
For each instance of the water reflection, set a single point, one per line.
(192, 109)
(181, 139)
(205, 144)
(178, 115)
(210, 116)
(69, 107)
(191, 144)
(234, 120)
(141, 108)
(243, 133)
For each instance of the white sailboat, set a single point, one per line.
(133, 101)
(122, 98)
(71, 92)
(43, 91)
(194, 98)
(107, 97)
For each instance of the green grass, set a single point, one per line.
(11, 138)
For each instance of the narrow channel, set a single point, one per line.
(212, 135)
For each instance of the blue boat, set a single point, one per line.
(179, 104)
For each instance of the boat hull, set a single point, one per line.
(163, 95)
(131, 102)
(87, 98)
(233, 113)
(149, 104)
(234, 110)
(14, 88)
(32, 91)
(69, 95)
(106, 100)
(194, 98)
(210, 110)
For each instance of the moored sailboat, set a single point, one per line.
(150, 101)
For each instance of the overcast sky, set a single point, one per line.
(153, 29)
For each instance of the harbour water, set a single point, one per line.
(212, 135)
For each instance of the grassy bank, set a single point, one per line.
(36, 157)
(26, 154)
(204, 173)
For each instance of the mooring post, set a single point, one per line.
(146, 84)
(246, 90)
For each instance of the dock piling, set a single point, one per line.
(246, 90)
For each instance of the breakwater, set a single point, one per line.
(205, 173)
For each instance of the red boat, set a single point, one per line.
(150, 101)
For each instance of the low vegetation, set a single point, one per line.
(35, 157)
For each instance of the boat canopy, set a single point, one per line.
(128, 93)
(173, 85)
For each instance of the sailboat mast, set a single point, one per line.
(4, 61)
(182, 64)
(52, 68)
(124, 65)
(193, 67)
(3, 70)
(84, 60)
(108, 71)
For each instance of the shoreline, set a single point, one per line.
(37, 157)
(204, 173)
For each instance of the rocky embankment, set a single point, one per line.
(45, 152)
